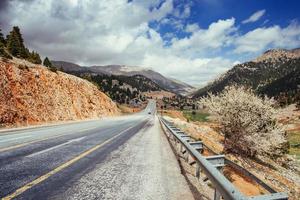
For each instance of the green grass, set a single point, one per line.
(197, 116)
(294, 138)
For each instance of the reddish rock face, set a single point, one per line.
(31, 94)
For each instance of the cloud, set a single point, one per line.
(264, 38)
(190, 28)
(218, 35)
(185, 13)
(198, 71)
(254, 17)
(122, 32)
(118, 32)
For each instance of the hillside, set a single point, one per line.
(286, 88)
(122, 89)
(273, 73)
(164, 82)
(32, 94)
(68, 66)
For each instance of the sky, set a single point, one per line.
(192, 41)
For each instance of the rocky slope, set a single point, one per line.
(273, 74)
(277, 54)
(121, 89)
(31, 94)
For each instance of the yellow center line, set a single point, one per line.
(34, 141)
(61, 167)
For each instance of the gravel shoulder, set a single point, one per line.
(143, 168)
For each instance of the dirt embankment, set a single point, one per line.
(31, 94)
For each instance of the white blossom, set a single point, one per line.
(248, 122)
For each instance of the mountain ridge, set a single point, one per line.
(166, 83)
(261, 74)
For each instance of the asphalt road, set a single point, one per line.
(67, 161)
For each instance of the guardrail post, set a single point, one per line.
(186, 155)
(217, 195)
(197, 170)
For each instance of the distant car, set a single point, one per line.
(149, 112)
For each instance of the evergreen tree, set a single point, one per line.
(49, 65)
(2, 40)
(3, 52)
(47, 62)
(34, 57)
(15, 44)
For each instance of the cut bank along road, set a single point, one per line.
(118, 158)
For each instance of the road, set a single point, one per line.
(124, 157)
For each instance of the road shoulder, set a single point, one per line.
(143, 168)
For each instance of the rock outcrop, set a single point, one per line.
(276, 55)
(32, 94)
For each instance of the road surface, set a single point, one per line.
(124, 157)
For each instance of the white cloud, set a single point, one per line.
(190, 28)
(218, 34)
(198, 71)
(254, 17)
(261, 39)
(118, 32)
(185, 13)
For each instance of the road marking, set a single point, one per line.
(55, 147)
(10, 139)
(61, 167)
(31, 142)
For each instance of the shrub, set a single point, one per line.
(248, 122)
(53, 69)
(23, 67)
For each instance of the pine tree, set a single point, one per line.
(15, 44)
(34, 57)
(3, 52)
(2, 40)
(48, 64)
(24, 52)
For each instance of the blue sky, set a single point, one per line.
(193, 41)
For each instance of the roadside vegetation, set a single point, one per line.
(248, 122)
(199, 116)
(294, 140)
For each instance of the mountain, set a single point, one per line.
(68, 66)
(122, 89)
(164, 82)
(275, 73)
(32, 94)
(286, 88)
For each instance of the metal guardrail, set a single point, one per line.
(211, 166)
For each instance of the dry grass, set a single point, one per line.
(126, 109)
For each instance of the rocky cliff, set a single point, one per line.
(32, 94)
